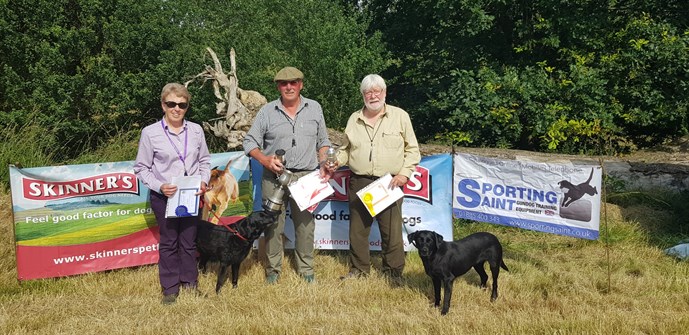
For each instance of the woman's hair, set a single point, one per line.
(176, 88)
(371, 81)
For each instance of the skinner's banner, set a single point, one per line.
(427, 205)
(75, 219)
(552, 198)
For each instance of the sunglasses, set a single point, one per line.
(172, 104)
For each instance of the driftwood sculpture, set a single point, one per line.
(238, 107)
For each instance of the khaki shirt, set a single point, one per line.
(389, 147)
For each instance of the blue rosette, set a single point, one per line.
(182, 211)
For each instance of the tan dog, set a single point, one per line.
(223, 189)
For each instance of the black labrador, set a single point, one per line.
(445, 261)
(230, 245)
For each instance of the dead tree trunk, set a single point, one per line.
(238, 107)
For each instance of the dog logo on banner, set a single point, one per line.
(573, 205)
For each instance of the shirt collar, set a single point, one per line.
(384, 112)
(302, 103)
(184, 123)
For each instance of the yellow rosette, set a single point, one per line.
(368, 201)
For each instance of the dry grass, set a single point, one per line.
(556, 285)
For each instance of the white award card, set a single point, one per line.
(309, 190)
(185, 202)
(378, 195)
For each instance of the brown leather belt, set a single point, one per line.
(299, 170)
(363, 176)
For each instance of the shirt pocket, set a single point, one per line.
(308, 128)
(194, 152)
(193, 146)
(162, 148)
(392, 141)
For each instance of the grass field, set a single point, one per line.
(556, 285)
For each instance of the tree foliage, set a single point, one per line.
(562, 75)
(555, 75)
(87, 70)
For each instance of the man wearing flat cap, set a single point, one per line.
(295, 124)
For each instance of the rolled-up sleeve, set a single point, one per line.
(323, 140)
(254, 137)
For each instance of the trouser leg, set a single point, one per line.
(304, 227)
(360, 222)
(392, 244)
(189, 271)
(168, 258)
(274, 233)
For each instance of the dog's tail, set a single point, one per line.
(502, 265)
(590, 177)
(232, 159)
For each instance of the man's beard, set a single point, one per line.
(376, 106)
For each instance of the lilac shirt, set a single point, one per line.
(157, 160)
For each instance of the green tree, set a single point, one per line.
(331, 48)
(563, 75)
(88, 70)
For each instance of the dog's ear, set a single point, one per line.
(411, 237)
(438, 240)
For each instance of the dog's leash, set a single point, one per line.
(234, 231)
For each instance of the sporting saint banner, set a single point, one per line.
(552, 198)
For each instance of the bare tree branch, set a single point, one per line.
(238, 107)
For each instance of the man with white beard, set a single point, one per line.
(380, 139)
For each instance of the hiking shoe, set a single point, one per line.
(394, 277)
(353, 274)
(395, 281)
(169, 299)
(272, 278)
(309, 278)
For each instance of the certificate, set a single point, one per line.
(309, 190)
(185, 202)
(378, 195)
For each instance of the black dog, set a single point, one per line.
(230, 245)
(445, 261)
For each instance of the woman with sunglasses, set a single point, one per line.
(168, 148)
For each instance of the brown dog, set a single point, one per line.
(223, 189)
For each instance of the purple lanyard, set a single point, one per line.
(186, 140)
